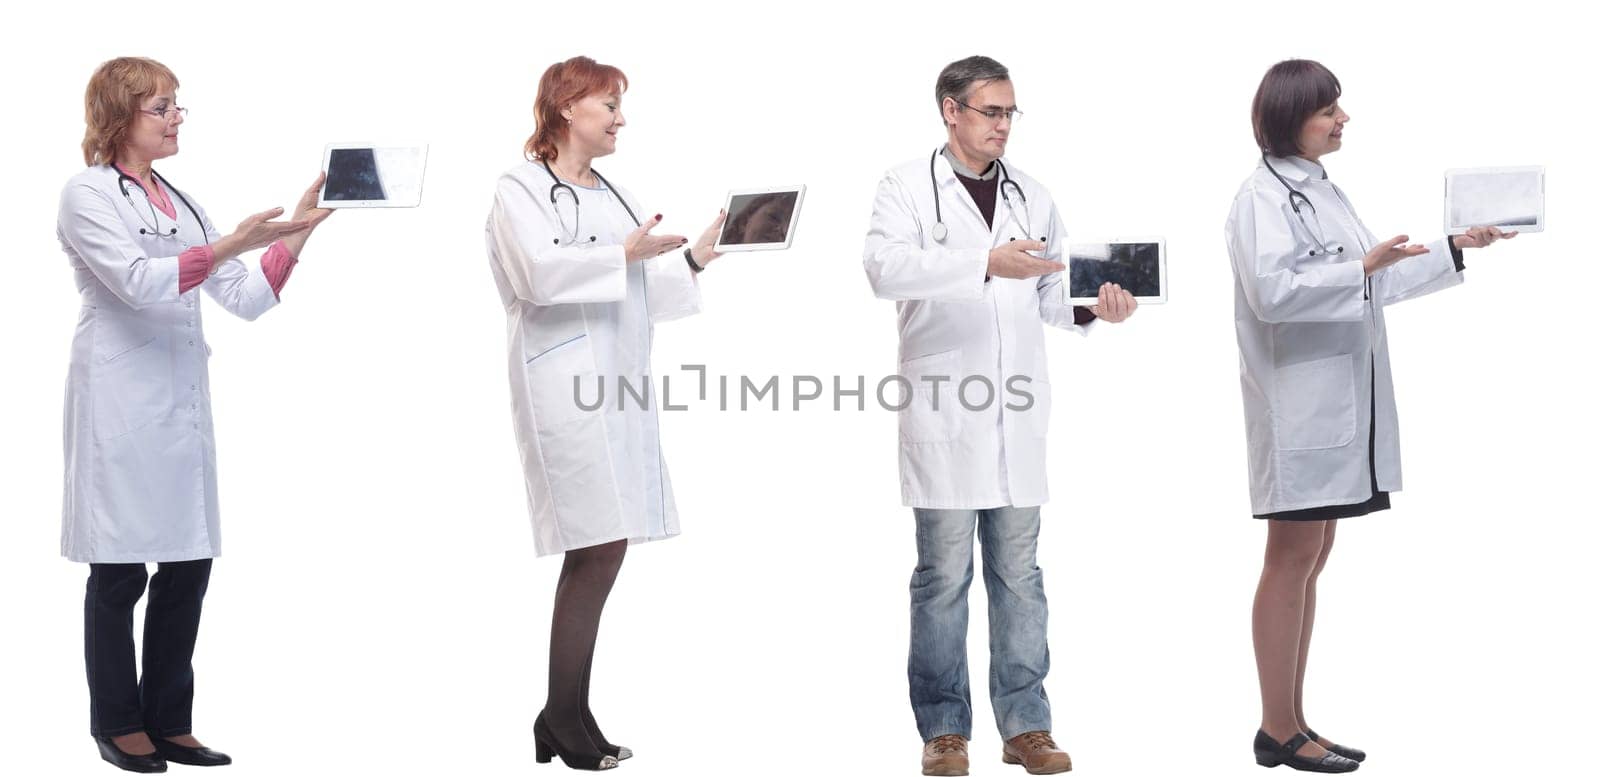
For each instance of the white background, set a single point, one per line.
(379, 607)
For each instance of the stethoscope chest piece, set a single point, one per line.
(940, 232)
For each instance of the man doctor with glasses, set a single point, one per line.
(969, 247)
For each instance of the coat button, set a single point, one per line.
(191, 343)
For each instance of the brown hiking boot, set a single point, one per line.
(945, 756)
(1037, 753)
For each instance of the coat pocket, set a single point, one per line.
(1315, 404)
(130, 381)
(934, 411)
(559, 377)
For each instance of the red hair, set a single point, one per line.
(563, 84)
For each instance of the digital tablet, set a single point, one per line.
(1138, 265)
(362, 175)
(761, 219)
(1511, 198)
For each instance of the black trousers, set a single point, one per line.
(121, 701)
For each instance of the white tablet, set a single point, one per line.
(1505, 197)
(761, 219)
(1138, 265)
(362, 175)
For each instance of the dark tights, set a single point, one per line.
(586, 578)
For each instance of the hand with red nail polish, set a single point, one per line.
(640, 244)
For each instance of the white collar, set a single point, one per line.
(1297, 169)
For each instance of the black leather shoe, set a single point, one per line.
(1269, 752)
(189, 756)
(129, 762)
(1348, 752)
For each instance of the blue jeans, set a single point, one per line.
(1019, 657)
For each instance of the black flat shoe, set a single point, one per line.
(129, 762)
(546, 747)
(189, 756)
(1270, 753)
(1348, 752)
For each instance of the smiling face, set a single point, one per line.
(1323, 133)
(153, 135)
(977, 138)
(594, 123)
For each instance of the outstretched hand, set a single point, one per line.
(1389, 252)
(640, 244)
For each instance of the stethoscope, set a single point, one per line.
(123, 179)
(1296, 198)
(559, 185)
(940, 231)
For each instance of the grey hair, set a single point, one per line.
(958, 77)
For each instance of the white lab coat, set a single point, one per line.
(141, 475)
(1313, 352)
(954, 323)
(582, 311)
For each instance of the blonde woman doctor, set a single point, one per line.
(141, 482)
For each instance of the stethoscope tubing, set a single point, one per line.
(577, 213)
(1295, 206)
(940, 231)
(123, 179)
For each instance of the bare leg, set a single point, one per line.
(1305, 629)
(1293, 548)
(587, 575)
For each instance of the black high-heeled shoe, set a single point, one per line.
(546, 747)
(148, 763)
(1348, 752)
(189, 756)
(615, 751)
(1270, 752)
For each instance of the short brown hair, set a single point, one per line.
(563, 84)
(1290, 93)
(111, 103)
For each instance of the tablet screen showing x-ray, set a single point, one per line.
(366, 176)
(761, 219)
(1137, 265)
(1511, 198)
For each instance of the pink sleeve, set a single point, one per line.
(276, 263)
(194, 266)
